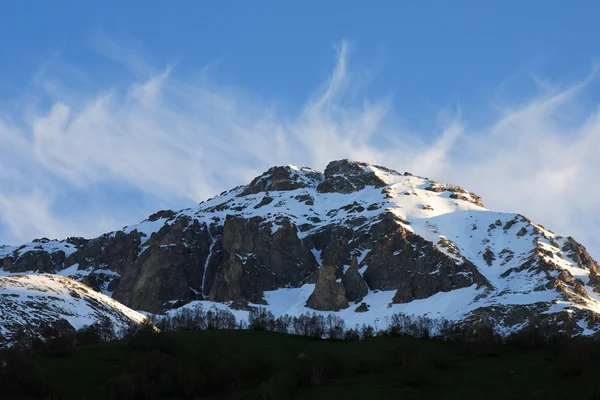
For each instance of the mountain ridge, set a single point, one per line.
(295, 236)
(28, 302)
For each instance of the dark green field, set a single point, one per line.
(264, 365)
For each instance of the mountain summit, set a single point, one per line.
(360, 240)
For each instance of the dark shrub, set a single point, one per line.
(528, 339)
(418, 373)
(61, 392)
(403, 356)
(367, 331)
(261, 320)
(316, 369)
(146, 337)
(154, 367)
(279, 386)
(120, 388)
(87, 335)
(23, 377)
(351, 334)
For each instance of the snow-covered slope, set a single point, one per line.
(27, 301)
(396, 242)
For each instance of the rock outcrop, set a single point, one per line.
(282, 178)
(329, 294)
(249, 259)
(169, 267)
(347, 176)
(354, 284)
(415, 267)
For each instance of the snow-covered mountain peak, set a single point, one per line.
(284, 178)
(420, 246)
(348, 177)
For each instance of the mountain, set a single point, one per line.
(29, 301)
(359, 240)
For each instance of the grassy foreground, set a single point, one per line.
(249, 364)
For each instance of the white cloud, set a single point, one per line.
(172, 141)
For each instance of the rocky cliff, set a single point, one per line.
(296, 239)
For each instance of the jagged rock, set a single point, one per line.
(109, 251)
(328, 295)
(456, 192)
(76, 241)
(280, 178)
(7, 264)
(346, 176)
(356, 287)
(265, 200)
(33, 257)
(489, 256)
(94, 281)
(362, 308)
(579, 288)
(404, 294)
(36, 260)
(509, 224)
(580, 255)
(306, 199)
(566, 277)
(594, 279)
(162, 214)
(400, 260)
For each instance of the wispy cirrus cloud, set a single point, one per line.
(82, 161)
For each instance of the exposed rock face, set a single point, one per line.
(579, 254)
(456, 192)
(333, 241)
(594, 280)
(247, 260)
(36, 260)
(347, 176)
(356, 287)
(109, 251)
(281, 178)
(416, 239)
(414, 267)
(170, 267)
(162, 214)
(329, 295)
(41, 255)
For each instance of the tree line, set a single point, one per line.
(309, 324)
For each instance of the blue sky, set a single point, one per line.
(425, 51)
(110, 110)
